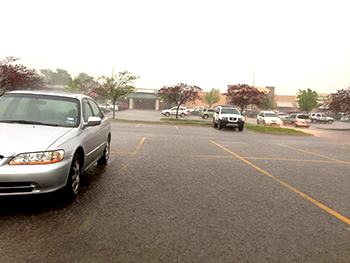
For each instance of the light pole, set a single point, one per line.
(254, 78)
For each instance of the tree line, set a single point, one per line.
(17, 76)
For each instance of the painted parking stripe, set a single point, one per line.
(332, 212)
(133, 154)
(323, 156)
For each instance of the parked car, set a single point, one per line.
(191, 111)
(208, 113)
(228, 116)
(122, 106)
(282, 115)
(49, 140)
(335, 116)
(298, 120)
(106, 107)
(268, 118)
(252, 114)
(345, 118)
(321, 118)
(197, 110)
(182, 111)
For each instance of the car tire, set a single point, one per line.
(167, 114)
(219, 125)
(257, 122)
(330, 122)
(182, 115)
(73, 182)
(214, 124)
(240, 127)
(104, 159)
(205, 116)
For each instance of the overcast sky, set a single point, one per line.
(287, 44)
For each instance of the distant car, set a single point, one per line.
(298, 120)
(122, 106)
(321, 118)
(190, 111)
(196, 110)
(345, 118)
(182, 111)
(268, 118)
(208, 113)
(282, 116)
(228, 116)
(48, 140)
(106, 107)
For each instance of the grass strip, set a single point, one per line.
(258, 128)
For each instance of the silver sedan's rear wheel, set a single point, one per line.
(167, 114)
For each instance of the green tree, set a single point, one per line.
(60, 77)
(307, 100)
(117, 86)
(179, 94)
(212, 97)
(84, 84)
(267, 102)
(244, 95)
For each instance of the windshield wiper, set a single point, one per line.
(27, 122)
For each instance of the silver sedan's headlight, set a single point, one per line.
(38, 158)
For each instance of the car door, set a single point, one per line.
(92, 135)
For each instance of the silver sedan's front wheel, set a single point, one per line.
(104, 159)
(72, 187)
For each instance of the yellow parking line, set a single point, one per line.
(134, 153)
(339, 216)
(137, 126)
(336, 160)
(176, 127)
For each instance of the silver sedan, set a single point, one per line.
(48, 140)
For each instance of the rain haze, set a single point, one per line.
(287, 44)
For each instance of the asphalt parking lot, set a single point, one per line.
(179, 193)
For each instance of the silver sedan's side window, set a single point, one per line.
(95, 109)
(87, 111)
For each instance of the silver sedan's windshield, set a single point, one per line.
(40, 110)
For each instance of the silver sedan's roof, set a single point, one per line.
(48, 93)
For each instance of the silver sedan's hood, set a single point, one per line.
(20, 138)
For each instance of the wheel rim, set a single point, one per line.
(107, 150)
(75, 177)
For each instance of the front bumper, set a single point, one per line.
(231, 123)
(33, 179)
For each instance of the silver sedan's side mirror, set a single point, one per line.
(92, 121)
